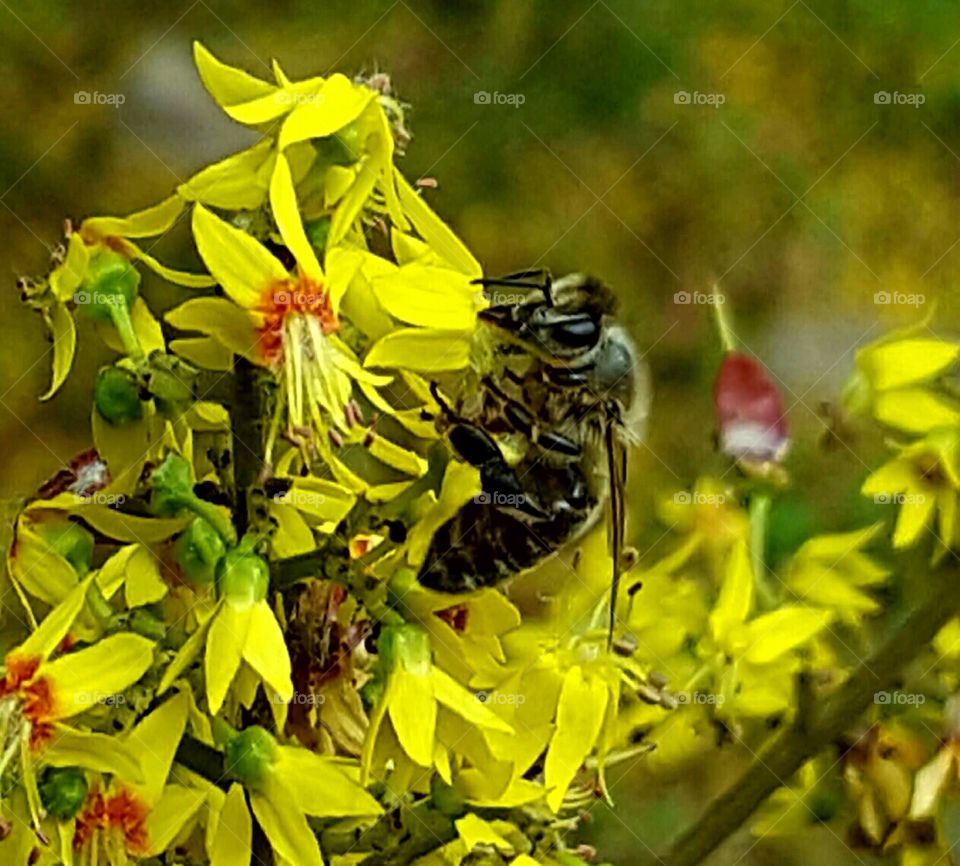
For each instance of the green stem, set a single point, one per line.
(727, 338)
(759, 511)
(906, 631)
(120, 316)
(204, 760)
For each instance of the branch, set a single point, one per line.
(906, 631)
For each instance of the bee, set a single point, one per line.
(559, 394)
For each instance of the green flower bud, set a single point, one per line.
(172, 383)
(172, 486)
(199, 548)
(63, 791)
(242, 576)
(117, 396)
(405, 644)
(110, 280)
(71, 541)
(249, 754)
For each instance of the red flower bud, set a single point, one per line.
(750, 413)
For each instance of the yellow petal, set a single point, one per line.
(476, 832)
(129, 527)
(736, 593)
(171, 275)
(293, 535)
(205, 352)
(142, 224)
(352, 203)
(63, 333)
(773, 634)
(143, 583)
(56, 625)
(286, 829)
(232, 842)
(81, 679)
(170, 816)
(226, 638)
(435, 232)
(283, 203)
(38, 569)
(69, 747)
(342, 264)
(413, 712)
(233, 183)
(915, 410)
(580, 712)
(465, 703)
(155, 740)
(421, 349)
(399, 458)
(232, 326)
(906, 362)
(65, 279)
(929, 783)
(227, 84)
(319, 786)
(338, 103)
(432, 297)
(319, 499)
(240, 263)
(186, 655)
(266, 651)
(915, 514)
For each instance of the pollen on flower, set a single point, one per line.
(38, 706)
(123, 812)
(19, 670)
(285, 299)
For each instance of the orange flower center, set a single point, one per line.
(123, 811)
(302, 297)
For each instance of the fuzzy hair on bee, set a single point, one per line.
(561, 394)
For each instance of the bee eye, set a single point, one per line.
(576, 333)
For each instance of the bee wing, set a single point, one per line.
(616, 511)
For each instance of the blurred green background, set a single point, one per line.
(802, 156)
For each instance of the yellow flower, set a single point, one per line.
(418, 700)
(832, 570)
(794, 809)
(38, 693)
(285, 784)
(129, 818)
(96, 241)
(755, 655)
(895, 381)
(242, 641)
(923, 479)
